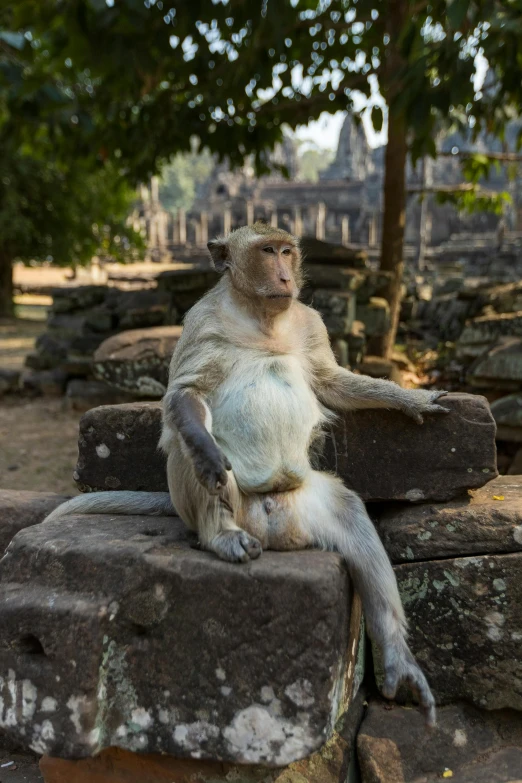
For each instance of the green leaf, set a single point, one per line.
(457, 11)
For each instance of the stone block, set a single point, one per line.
(500, 368)
(318, 251)
(118, 449)
(116, 633)
(382, 455)
(328, 765)
(50, 383)
(137, 361)
(333, 277)
(375, 315)
(468, 745)
(337, 309)
(21, 508)
(489, 520)
(82, 395)
(9, 380)
(465, 627)
(82, 297)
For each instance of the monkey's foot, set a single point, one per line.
(400, 667)
(236, 546)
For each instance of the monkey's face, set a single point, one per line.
(264, 265)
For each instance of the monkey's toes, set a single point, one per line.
(236, 546)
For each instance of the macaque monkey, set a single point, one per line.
(252, 382)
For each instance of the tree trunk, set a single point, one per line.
(6, 285)
(394, 214)
(393, 225)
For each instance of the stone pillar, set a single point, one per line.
(204, 228)
(161, 220)
(227, 220)
(154, 190)
(273, 219)
(345, 230)
(372, 230)
(249, 212)
(182, 226)
(320, 221)
(298, 222)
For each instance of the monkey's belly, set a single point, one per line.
(264, 424)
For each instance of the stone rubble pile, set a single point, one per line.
(106, 345)
(127, 654)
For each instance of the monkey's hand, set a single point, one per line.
(400, 667)
(210, 465)
(417, 402)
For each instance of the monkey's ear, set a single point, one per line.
(219, 253)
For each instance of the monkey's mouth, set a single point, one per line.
(279, 296)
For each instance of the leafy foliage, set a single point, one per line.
(54, 205)
(181, 177)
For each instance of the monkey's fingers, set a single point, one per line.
(391, 681)
(434, 408)
(236, 546)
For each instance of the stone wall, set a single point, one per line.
(119, 638)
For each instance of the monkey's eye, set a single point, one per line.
(268, 249)
(286, 251)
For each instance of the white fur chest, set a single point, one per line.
(263, 418)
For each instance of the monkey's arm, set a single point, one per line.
(194, 373)
(341, 389)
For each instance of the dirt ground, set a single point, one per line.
(38, 437)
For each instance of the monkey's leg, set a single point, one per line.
(211, 516)
(335, 518)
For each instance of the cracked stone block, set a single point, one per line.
(468, 746)
(465, 627)
(382, 455)
(137, 361)
(118, 449)
(488, 520)
(21, 508)
(385, 455)
(330, 764)
(116, 633)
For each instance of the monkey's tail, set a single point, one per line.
(147, 503)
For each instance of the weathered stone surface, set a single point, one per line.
(507, 412)
(115, 632)
(490, 520)
(137, 361)
(9, 380)
(21, 508)
(501, 367)
(82, 395)
(375, 315)
(382, 455)
(47, 382)
(118, 448)
(337, 309)
(328, 276)
(465, 620)
(484, 331)
(328, 765)
(82, 297)
(469, 745)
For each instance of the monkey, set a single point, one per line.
(252, 384)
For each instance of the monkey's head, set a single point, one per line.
(263, 263)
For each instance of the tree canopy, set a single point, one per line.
(142, 77)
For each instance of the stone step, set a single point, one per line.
(116, 632)
(465, 627)
(382, 455)
(489, 520)
(467, 746)
(23, 508)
